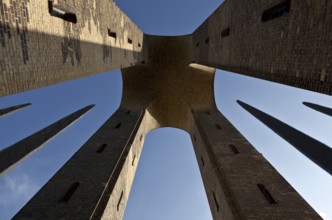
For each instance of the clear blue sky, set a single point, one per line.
(172, 190)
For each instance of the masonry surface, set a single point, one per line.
(167, 81)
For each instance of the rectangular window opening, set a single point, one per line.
(197, 44)
(118, 126)
(139, 45)
(141, 137)
(111, 34)
(234, 149)
(217, 126)
(202, 160)
(266, 193)
(119, 202)
(60, 13)
(216, 201)
(225, 32)
(70, 192)
(277, 11)
(207, 40)
(130, 41)
(102, 148)
(133, 162)
(207, 112)
(128, 112)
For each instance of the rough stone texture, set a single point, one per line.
(294, 49)
(16, 153)
(166, 87)
(37, 49)
(233, 178)
(96, 168)
(12, 109)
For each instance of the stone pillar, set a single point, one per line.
(9, 110)
(282, 41)
(14, 154)
(95, 182)
(239, 182)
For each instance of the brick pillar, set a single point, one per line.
(9, 110)
(14, 154)
(239, 182)
(95, 182)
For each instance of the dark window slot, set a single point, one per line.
(215, 201)
(119, 202)
(207, 112)
(140, 138)
(225, 32)
(139, 45)
(194, 137)
(234, 149)
(130, 41)
(111, 34)
(207, 40)
(197, 44)
(102, 148)
(266, 194)
(70, 192)
(276, 11)
(217, 126)
(118, 126)
(133, 162)
(143, 62)
(128, 112)
(60, 13)
(202, 161)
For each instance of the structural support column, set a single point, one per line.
(95, 182)
(15, 153)
(239, 181)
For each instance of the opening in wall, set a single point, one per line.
(266, 193)
(102, 148)
(234, 149)
(207, 40)
(225, 32)
(130, 41)
(118, 126)
(276, 11)
(70, 192)
(119, 202)
(56, 11)
(111, 34)
(216, 201)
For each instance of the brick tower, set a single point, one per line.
(167, 81)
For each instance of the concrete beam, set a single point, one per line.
(16, 153)
(12, 109)
(316, 151)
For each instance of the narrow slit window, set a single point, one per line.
(217, 126)
(130, 41)
(225, 32)
(195, 137)
(133, 162)
(118, 126)
(234, 149)
(141, 137)
(101, 148)
(207, 40)
(111, 34)
(277, 11)
(207, 112)
(56, 11)
(128, 112)
(139, 45)
(70, 192)
(202, 160)
(266, 194)
(143, 62)
(197, 44)
(215, 201)
(119, 202)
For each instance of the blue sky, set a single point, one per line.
(161, 194)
